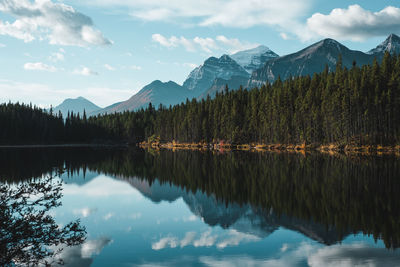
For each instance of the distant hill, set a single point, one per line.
(157, 92)
(76, 105)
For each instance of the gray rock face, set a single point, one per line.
(202, 77)
(76, 105)
(308, 61)
(391, 45)
(219, 84)
(255, 58)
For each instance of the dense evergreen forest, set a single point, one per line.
(22, 124)
(359, 105)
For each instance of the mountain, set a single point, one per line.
(203, 77)
(308, 61)
(391, 44)
(251, 68)
(76, 105)
(255, 58)
(157, 92)
(219, 85)
(102, 111)
(243, 218)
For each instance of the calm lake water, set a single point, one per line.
(165, 208)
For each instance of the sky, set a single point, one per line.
(107, 50)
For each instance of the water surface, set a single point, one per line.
(165, 208)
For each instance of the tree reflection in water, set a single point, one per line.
(29, 235)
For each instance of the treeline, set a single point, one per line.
(359, 105)
(22, 124)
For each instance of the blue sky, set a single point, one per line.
(107, 50)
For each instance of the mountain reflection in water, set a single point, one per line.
(250, 196)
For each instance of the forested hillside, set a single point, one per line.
(359, 105)
(349, 105)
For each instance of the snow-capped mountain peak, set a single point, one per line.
(391, 44)
(254, 58)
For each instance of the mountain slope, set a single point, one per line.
(76, 105)
(219, 84)
(157, 92)
(308, 61)
(202, 78)
(391, 45)
(255, 58)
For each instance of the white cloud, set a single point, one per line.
(207, 44)
(235, 238)
(84, 212)
(39, 66)
(108, 216)
(109, 67)
(2, 45)
(230, 13)
(42, 19)
(171, 242)
(355, 23)
(85, 71)
(57, 56)
(190, 218)
(292, 258)
(188, 239)
(353, 255)
(94, 247)
(82, 255)
(206, 239)
(235, 45)
(284, 247)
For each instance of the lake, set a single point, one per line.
(130, 207)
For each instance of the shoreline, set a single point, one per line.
(303, 148)
(63, 146)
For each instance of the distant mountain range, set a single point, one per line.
(242, 218)
(157, 92)
(249, 68)
(76, 105)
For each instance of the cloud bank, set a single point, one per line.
(285, 16)
(355, 23)
(229, 13)
(39, 66)
(205, 239)
(56, 22)
(207, 44)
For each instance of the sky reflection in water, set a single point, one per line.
(132, 223)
